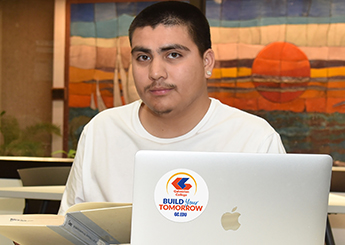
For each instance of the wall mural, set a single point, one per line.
(283, 60)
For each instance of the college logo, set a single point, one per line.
(180, 184)
(181, 195)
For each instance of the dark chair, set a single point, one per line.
(43, 176)
(337, 185)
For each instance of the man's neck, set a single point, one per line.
(172, 124)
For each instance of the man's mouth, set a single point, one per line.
(160, 90)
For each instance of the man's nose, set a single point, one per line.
(157, 69)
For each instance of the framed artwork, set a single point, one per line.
(284, 61)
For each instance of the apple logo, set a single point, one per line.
(230, 220)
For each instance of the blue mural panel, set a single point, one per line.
(82, 12)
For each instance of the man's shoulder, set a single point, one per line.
(233, 114)
(119, 113)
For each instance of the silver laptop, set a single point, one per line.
(229, 198)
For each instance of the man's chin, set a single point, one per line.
(161, 112)
(158, 110)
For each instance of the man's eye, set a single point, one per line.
(174, 55)
(143, 58)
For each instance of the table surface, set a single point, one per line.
(336, 202)
(34, 192)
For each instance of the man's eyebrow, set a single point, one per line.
(141, 49)
(162, 49)
(173, 46)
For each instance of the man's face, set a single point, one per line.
(168, 71)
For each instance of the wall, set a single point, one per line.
(59, 69)
(26, 59)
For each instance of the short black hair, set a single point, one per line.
(170, 13)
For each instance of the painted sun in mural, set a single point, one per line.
(281, 72)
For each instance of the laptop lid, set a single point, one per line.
(229, 198)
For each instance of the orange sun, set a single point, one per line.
(281, 72)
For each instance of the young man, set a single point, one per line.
(172, 59)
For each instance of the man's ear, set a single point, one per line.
(209, 61)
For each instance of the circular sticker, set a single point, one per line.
(181, 195)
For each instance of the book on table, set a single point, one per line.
(93, 223)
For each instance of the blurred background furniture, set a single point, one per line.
(10, 205)
(337, 186)
(10, 164)
(338, 179)
(9, 177)
(43, 176)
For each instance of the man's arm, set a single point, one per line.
(272, 144)
(73, 192)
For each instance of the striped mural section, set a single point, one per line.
(243, 29)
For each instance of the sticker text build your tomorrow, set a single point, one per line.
(180, 205)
